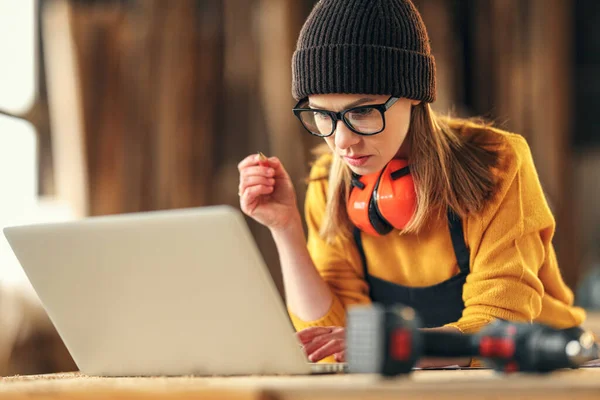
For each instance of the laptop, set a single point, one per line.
(162, 293)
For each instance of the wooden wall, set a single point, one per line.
(153, 104)
(496, 61)
(174, 94)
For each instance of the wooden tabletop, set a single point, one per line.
(464, 384)
(439, 385)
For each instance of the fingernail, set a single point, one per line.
(262, 160)
(270, 171)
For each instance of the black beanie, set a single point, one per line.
(364, 47)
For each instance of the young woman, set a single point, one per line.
(444, 215)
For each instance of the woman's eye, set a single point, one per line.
(361, 112)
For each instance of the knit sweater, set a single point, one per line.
(514, 271)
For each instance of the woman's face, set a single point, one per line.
(367, 154)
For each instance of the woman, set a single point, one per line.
(444, 215)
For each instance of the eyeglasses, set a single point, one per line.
(363, 120)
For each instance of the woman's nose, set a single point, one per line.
(344, 137)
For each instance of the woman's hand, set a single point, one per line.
(320, 342)
(266, 192)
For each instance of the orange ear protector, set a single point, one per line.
(384, 200)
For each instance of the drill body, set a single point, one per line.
(389, 341)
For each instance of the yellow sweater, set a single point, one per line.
(514, 272)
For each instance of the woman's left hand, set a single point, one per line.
(321, 342)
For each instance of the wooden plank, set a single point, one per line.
(134, 394)
(449, 384)
(438, 18)
(65, 108)
(185, 104)
(524, 86)
(551, 128)
(150, 84)
(96, 32)
(283, 132)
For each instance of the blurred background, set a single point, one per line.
(118, 106)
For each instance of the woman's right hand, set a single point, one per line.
(320, 342)
(266, 192)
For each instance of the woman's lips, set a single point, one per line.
(356, 161)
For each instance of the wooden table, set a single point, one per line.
(439, 385)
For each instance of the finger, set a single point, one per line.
(248, 181)
(340, 357)
(251, 194)
(308, 334)
(317, 343)
(320, 340)
(256, 170)
(274, 161)
(250, 160)
(254, 159)
(272, 167)
(332, 347)
(276, 164)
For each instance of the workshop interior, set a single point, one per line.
(110, 107)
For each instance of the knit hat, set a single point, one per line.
(364, 47)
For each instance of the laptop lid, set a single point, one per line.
(172, 292)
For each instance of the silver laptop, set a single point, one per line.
(177, 292)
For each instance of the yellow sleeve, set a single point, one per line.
(337, 263)
(509, 242)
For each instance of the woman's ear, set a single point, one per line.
(415, 102)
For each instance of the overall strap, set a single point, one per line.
(361, 251)
(457, 235)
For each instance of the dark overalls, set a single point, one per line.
(436, 305)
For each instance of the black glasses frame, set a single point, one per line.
(341, 116)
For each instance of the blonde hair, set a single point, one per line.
(451, 161)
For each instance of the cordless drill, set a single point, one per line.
(387, 340)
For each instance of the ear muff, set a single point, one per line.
(382, 201)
